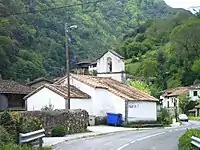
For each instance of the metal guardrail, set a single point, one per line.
(32, 136)
(195, 141)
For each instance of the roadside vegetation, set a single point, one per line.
(185, 139)
(11, 124)
(194, 118)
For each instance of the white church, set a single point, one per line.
(98, 95)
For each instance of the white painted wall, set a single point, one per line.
(45, 97)
(121, 77)
(117, 63)
(142, 111)
(102, 101)
(191, 94)
(85, 104)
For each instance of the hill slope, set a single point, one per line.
(33, 44)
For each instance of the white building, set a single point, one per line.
(111, 64)
(194, 92)
(56, 95)
(105, 93)
(109, 95)
(170, 97)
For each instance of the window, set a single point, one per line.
(167, 104)
(195, 93)
(109, 60)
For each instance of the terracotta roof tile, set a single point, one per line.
(115, 87)
(62, 91)
(8, 86)
(39, 80)
(175, 91)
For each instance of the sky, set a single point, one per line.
(182, 3)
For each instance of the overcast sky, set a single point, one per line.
(182, 3)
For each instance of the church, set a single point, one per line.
(98, 95)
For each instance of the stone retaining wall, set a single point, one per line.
(75, 121)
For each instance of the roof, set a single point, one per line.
(114, 53)
(9, 86)
(62, 91)
(195, 86)
(39, 80)
(119, 89)
(175, 91)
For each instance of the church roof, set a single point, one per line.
(114, 53)
(119, 89)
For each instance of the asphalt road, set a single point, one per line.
(154, 139)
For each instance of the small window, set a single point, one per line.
(195, 93)
(167, 104)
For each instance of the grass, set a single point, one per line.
(194, 118)
(132, 67)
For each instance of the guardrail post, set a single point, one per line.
(40, 142)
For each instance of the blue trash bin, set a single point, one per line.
(114, 119)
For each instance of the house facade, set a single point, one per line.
(56, 96)
(11, 95)
(109, 95)
(194, 92)
(170, 99)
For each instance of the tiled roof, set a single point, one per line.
(175, 91)
(62, 91)
(39, 80)
(8, 86)
(115, 87)
(195, 86)
(113, 52)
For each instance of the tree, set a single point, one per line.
(183, 102)
(140, 86)
(196, 66)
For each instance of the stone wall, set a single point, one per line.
(75, 121)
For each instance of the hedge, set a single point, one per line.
(185, 139)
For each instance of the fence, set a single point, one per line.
(195, 141)
(32, 136)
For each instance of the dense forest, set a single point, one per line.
(161, 44)
(33, 44)
(165, 52)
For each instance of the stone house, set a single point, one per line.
(56, 96)
(11, 95)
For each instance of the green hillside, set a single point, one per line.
(33, 44)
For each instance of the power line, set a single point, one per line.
(49, 9)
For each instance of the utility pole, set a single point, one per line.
(67, 46)
(67, 103)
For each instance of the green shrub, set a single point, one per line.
(58, 131)
(194, 118)
(100, 120)
(164, 117)
(19, 147)
(10, 125)
(4, 137)
(185, 139)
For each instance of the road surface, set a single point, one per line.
(154, 139)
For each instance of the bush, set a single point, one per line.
(100, 121)
(194, 118)
(164, 117)
(19, 147)
(185, 139)
(4, 137)
(58, 131)
(10, 125)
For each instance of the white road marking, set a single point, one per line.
(133, 142)
(170, 130)
(122, 146)
(146, 137)
(176, 129)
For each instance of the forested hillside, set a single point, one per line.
(33, 44)
(165, 52)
